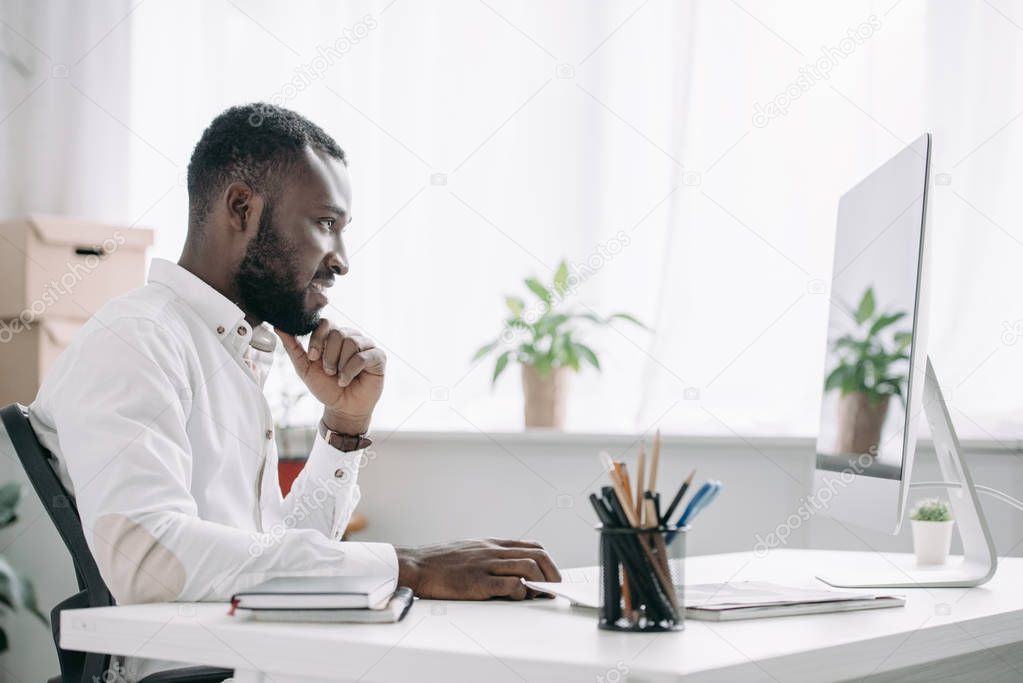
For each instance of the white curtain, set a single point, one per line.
(974, 105)
(490, 139)
(487, 141)
(64, 107)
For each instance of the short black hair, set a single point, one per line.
(254, 143)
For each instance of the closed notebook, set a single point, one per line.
(394, 609)
(317, 592)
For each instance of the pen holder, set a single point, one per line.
(641, 579)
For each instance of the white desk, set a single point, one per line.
(965, 634)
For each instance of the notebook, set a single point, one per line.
(317, 592)
(393, 610)
(742, 599)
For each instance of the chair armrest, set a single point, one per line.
(190, 674)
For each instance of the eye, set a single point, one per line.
(327, 223)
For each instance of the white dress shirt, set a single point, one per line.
(157, 418)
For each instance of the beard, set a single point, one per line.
(268, 278)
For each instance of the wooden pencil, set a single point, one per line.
(640, 480)
(655, 458)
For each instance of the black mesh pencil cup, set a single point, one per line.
(641, 578)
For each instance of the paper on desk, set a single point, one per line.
(763, 593)
(581, 594)
(716, 595)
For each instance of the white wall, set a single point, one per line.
(421, 488)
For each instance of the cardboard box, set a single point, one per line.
(60, 267)
(27, 351)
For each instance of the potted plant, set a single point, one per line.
(932, 531)
(16, 591)
(544, 338)
(868, 373)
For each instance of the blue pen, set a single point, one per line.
(696, 500)
(704, 495)
(690, 514)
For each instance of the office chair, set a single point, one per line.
(78, 667)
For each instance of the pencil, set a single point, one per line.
(655, 457)
(626, 493)
(640, 478)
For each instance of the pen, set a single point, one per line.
(693, 502)
(707, 500)
(703, 497)
(678, 498)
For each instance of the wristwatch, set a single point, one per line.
(344, 442)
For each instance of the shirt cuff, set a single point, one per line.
(369, 559)
(327, 463)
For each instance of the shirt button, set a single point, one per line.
(269, 434)
(220, 329)
(241, 330)
(340, 474)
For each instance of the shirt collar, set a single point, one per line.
(220, 315)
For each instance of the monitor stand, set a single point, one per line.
(979, 559)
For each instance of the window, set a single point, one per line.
(488, 141)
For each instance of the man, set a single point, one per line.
(156, 412)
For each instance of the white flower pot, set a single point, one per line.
(932, 541)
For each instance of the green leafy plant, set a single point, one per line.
(16, 591)
(931, 510)
(868, 354)
(549, 332)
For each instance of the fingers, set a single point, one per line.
(349, 347)
(506, 587)
(533, 551)
(512, 543)
(340, 348)
(318, 338)
(293, 347)
(332, 352)
(542, 560)
(524, 567)
(371, 361)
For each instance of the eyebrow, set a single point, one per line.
(335, 209)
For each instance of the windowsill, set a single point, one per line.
(793, 445)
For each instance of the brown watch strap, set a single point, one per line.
(344, 442)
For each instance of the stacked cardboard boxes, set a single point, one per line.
(55, 272)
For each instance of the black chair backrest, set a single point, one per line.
(75, 667)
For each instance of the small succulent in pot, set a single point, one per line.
(932, 531)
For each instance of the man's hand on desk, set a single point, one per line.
(475, 570)
(344, 370)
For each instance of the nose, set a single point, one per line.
(337, 262)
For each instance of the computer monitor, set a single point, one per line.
(879, 379)
(876, 346)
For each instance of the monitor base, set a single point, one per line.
(902, 571)
(979, 560)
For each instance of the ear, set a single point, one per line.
(244, 207)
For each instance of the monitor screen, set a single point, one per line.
(872, 319)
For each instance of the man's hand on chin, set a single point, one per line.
(475, 570)
(344, 370)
